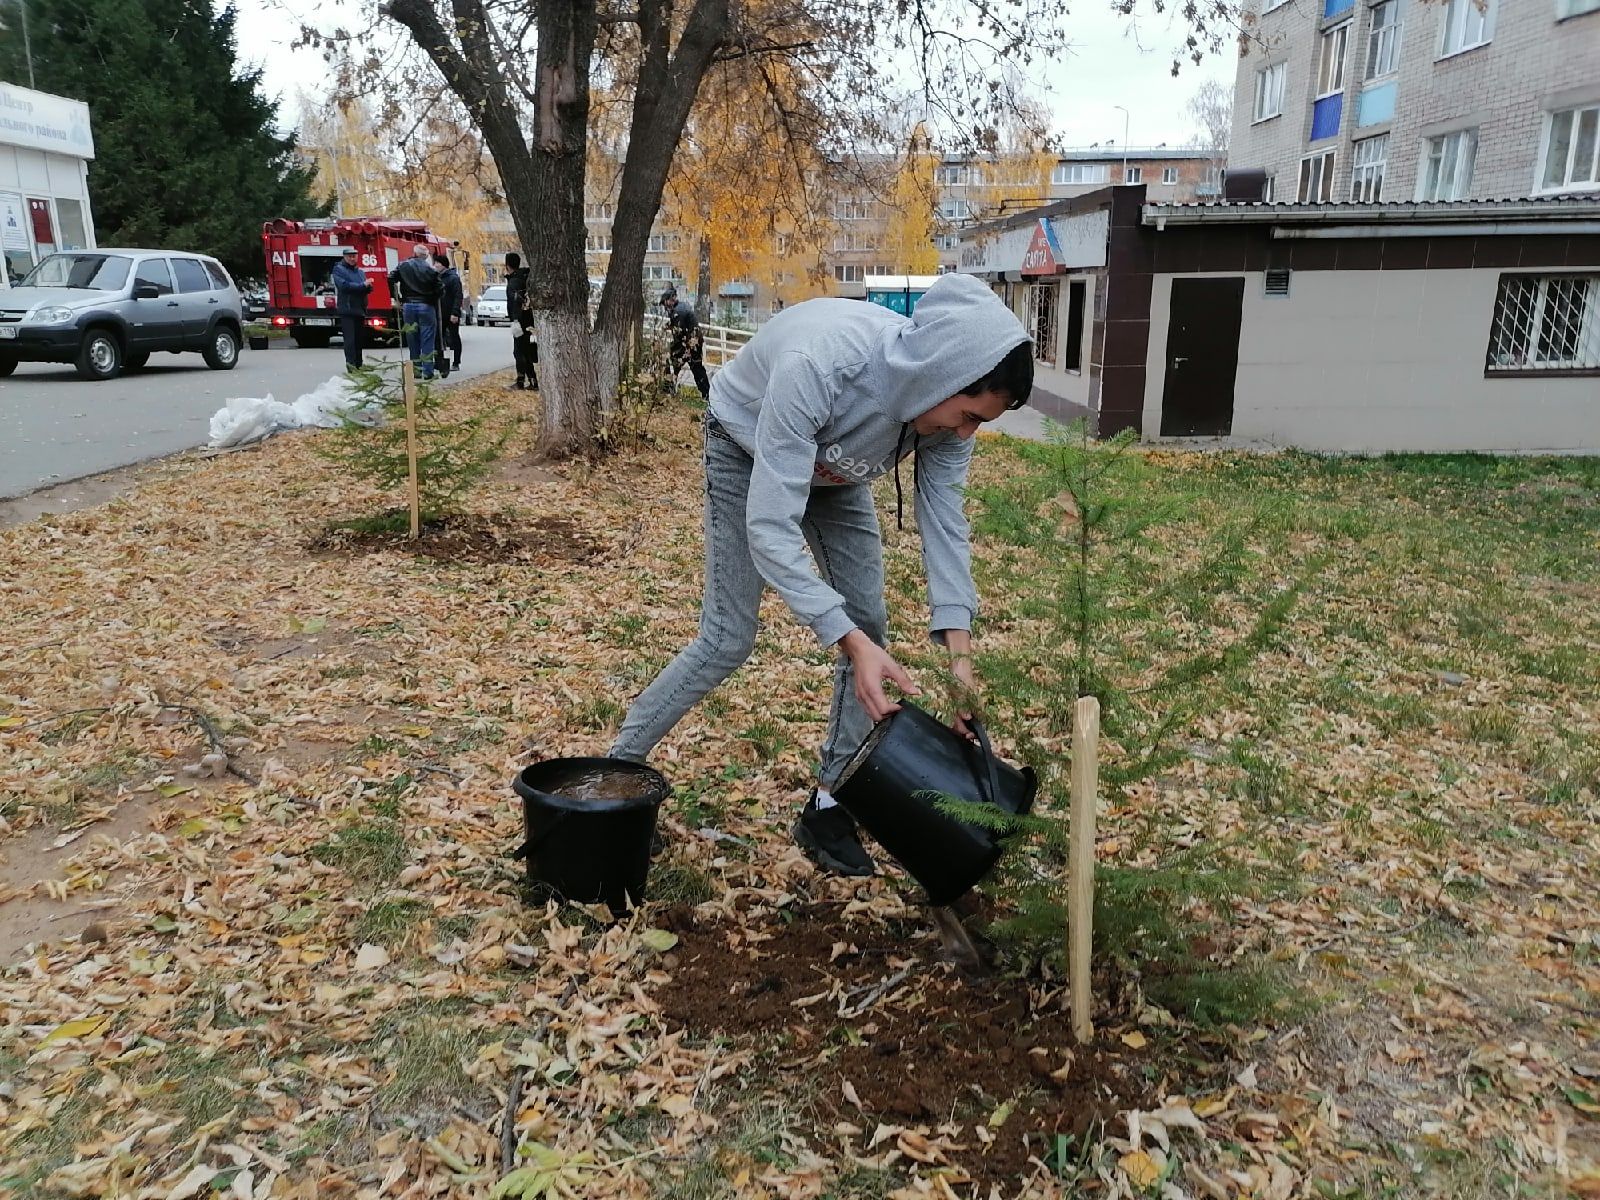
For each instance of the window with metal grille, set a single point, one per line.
(1545, 323)
(1042, 320)
(1383, 42)
(1366, 180)
(1447, 163)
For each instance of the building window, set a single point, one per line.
(1169, 175)
(659, 243)
(1210, 182)
(948, 241)
(1383, 43)
(848, 273)
(1316, 178)
(1269, 91)
(1575, 8)
(1042, 320)
(951, 176)
(1272, 4)
(1133, 175)
(598, 243)
(658, 273)
(852, 210)
(1467, 23)
(1545, 323)
(597, 212)
(1269, 189)
(1078, 173)
(1447, 161)
(1330, 71)
(1366, 180)
(1072, 357)
(1572, 150)
(955, 210)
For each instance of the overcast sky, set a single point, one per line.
(1111, 63)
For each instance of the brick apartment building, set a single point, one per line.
(1397, 100)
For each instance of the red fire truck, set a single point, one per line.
(300, 257)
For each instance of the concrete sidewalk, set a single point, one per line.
(1028, 421)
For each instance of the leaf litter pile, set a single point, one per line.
(261, 935)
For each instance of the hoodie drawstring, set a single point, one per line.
(916, 476)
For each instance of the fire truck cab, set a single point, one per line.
(299, 261)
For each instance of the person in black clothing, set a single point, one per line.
(350, 289)
(686, 342)
(415, 284)
(449, 315)
(523, 348)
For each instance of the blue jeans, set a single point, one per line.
(422, 322)
(841, 527)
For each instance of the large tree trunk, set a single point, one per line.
(543, 183)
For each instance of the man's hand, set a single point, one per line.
(959, 643)
(873, 665)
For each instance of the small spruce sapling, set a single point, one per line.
(455, 452)
(1089, 587)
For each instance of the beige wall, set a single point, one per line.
(1374, 361)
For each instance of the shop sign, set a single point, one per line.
(41, 121)
(1043, 256)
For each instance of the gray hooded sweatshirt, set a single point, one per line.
(823, 396)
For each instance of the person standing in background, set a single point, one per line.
(351, 288)
(415, 284)
(449, 315)
(523, 348)
(686, 342)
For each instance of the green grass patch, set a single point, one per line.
(387, 922)
(680, 883)
(370, 851)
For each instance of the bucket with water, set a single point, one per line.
(588, 824)
(892, 786)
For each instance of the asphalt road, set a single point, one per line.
(55, 426)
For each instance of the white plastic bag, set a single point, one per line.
(245, 419)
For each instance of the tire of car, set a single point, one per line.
(222, 348)
(7, 365)
(135, 360)
(99, 355)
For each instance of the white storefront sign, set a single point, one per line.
(1081, 240)
(38, 121)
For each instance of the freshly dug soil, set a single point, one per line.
(470, 539)
(932, 1049)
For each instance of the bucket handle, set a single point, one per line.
(989, 762)
(531, 843)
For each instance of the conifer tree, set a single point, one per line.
(186, 151)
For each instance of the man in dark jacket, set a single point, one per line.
(415, 285)
(523, 348)
(449, 315)
(686, 341)
(350, 290)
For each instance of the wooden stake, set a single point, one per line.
(408, 386)
(1080, 902)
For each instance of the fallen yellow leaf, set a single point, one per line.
(1140, 1169)
(1135, 1039)
(83, 1027)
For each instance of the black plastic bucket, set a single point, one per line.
(892, 786)
(584, 847)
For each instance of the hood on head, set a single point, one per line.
(958, 333)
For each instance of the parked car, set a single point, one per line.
(492, 306)
(109, 310)
(255, 303)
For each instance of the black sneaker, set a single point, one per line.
(828, 837)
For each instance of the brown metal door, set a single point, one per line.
(1202, 357)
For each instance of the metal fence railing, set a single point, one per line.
(719, 342)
